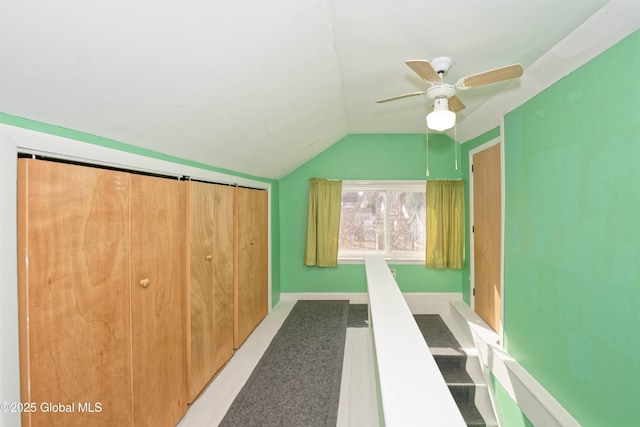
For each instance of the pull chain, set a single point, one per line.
(455, 141)
(427, 138)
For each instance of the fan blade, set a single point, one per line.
(423, 68)
(406, 95)
(455, 104)
(492, 76)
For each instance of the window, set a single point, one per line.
(383, 217)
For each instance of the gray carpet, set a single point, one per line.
(358, 316)
(451, 360)
(435, 331)
(297, 380)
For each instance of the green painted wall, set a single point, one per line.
(572, 237)
(110, 143)
(365, 157)
(464, 167)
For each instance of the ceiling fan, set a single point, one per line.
(445, 101)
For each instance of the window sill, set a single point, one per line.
(389, 260)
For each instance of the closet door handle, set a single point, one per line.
(251, 242)
(145, 283)
(209, 257)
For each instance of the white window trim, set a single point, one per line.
(382, 185)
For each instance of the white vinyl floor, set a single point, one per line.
(358, 401)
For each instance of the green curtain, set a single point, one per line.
(445, 224)
(323, 222)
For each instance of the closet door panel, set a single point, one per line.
(74, 293)
(210, 281)
(200, 283)
(223, 274)
(158, 300)
(251, 294)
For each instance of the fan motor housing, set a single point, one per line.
(441, 90)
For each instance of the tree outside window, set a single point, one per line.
(383, 217)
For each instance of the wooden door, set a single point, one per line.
(251, 269)
(158, 250)
(487, 234)
(210, 281)
(73, 239)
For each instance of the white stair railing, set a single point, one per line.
(412, 391)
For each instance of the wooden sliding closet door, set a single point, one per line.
(251, 284)
(73, 245)
(158, 300)
(210, 281)
(223, 274)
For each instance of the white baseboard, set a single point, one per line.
(418, 302)
(431, 302)
(540, 407)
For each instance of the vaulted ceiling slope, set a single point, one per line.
(260, 87)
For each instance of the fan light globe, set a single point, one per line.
(441, 118)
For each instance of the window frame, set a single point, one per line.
(357, 257)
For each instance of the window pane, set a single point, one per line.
(407, 216)
(383, 217)
(362, 221)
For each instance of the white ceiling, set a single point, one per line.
(260, 87)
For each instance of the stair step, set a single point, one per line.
(456, 376)
(464, 395)
(472, 416)
(452, 364)
(452, 361)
